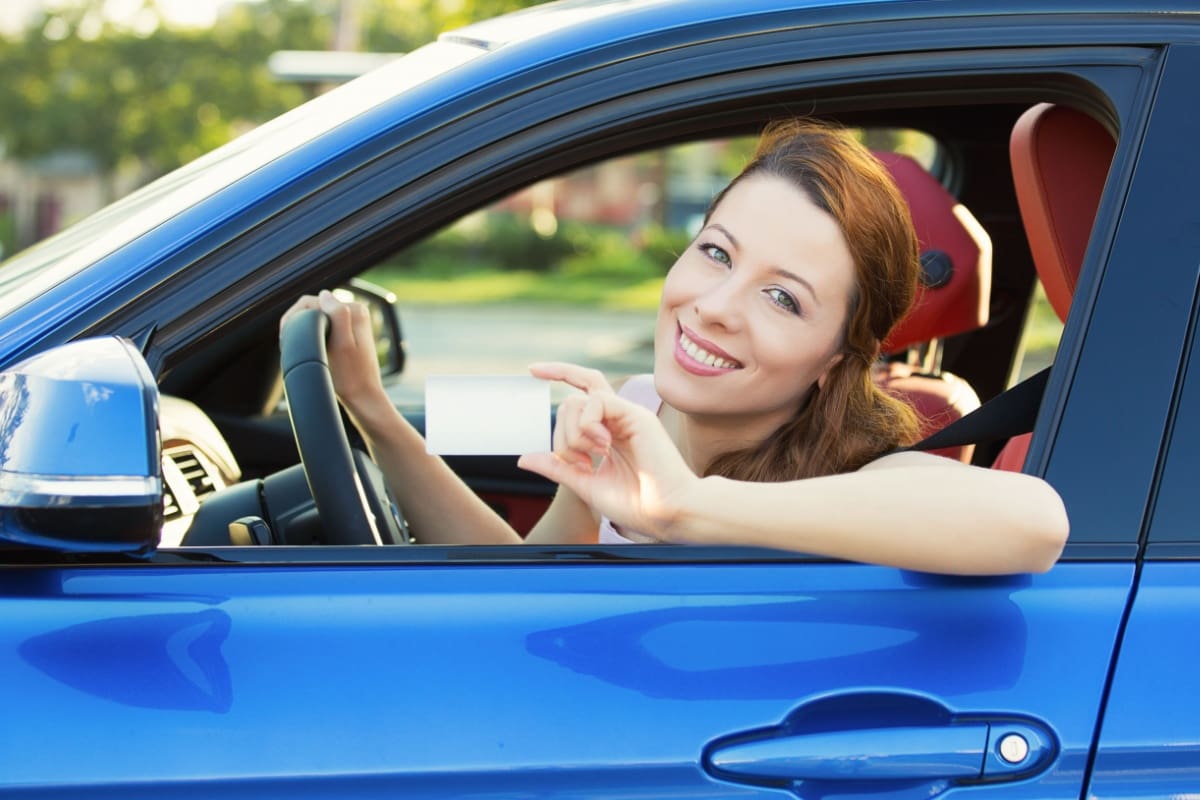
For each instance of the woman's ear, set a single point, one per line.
(833, 362)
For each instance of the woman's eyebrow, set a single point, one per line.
(719, 227)
(783, 273)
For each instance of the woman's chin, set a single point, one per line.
(688, 393)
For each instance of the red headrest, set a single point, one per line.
(1060, 159)
(953, 246)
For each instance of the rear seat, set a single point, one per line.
(956, 256)
(1060, 160)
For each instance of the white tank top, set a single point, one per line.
(638, 389)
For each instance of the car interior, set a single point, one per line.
(1000, 204)
(1060, 160)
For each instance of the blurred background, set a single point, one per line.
(99, 97)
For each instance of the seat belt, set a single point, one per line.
(1008, 414)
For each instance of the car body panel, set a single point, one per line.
(605, 671)
(592, 680)
(1148, 745)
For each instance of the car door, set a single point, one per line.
(573, 677)
(647, 671)
(1147, 743)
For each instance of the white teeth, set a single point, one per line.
(702, 355)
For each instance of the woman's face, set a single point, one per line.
(752, 313)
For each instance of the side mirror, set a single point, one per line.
(80, 468)
(389, 338)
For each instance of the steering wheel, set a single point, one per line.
(347, 487)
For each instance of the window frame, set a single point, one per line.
(570, 131)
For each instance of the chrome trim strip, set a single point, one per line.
(21, 490)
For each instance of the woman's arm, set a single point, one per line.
(975, 522)
(439, 507)
(567, 521)
(979, 521)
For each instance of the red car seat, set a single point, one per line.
(1060, 160)
(956, 257)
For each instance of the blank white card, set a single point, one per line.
(486, 415)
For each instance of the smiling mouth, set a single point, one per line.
(702, 356)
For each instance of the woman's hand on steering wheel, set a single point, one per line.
(353, 361)
(351, 496)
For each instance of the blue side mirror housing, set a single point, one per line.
(80, 463)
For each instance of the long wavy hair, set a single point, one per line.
(848, 421)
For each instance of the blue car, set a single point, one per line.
(179, 617)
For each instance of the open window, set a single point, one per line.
(566, 227)
(568, 269)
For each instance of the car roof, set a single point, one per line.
(605, 19)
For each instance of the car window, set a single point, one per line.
(570, 268)
(1174, 521)
(1039, 340)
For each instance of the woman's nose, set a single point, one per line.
(720, 305)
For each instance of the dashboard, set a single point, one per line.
(196, 462)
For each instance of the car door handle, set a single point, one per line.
(907, 753)
(906, 738)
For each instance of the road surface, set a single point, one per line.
(504, 339)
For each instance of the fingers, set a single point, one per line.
(579, 433)
(305, 303)
(350, 323)
(345, 330)
(353, 360)
(589, 380)
(553, 468)
(360, 326)
(591, 424)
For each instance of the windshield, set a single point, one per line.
(44, 265)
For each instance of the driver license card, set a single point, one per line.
(486, 415)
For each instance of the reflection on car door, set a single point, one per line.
(600, 680)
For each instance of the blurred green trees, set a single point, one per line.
(143, 96)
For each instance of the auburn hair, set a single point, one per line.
(848, 421)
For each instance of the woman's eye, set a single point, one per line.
(716, 253)
(783, 300)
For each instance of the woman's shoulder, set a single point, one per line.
(639, 389)
(909, 458)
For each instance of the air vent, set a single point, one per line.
(171, 509)
(188, 477)
(195, 472)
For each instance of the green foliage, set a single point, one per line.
(1043, 328)
(398, 26)
(493, 241)
(489, 286)
(614, 255)
(153, 97)
(507, 242)
(8, 233)
(499, 258)
(154, 100)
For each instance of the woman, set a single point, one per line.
(761, 425)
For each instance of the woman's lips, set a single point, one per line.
(701, 357)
